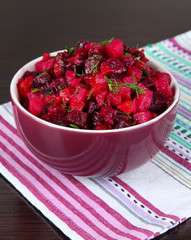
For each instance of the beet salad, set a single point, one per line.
(101, 86)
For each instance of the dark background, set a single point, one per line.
(29, 28)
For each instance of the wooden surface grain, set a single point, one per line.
(29, 28)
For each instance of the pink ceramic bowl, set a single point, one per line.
(92, 152)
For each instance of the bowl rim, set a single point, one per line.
(155, 64)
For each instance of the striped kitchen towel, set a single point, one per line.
(139, 205)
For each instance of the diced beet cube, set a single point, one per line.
(89, 79)
(95, 89)
(53, 99)
(158, 104)
(128, 106)
(78, 99)
(29, 73)
(113, 99)
(136, 73)
(125, 93)
(163, 75)
(92, 106)
(24, 86)
(87, 46)
(101, 127)
(108, 114)
(129, 79)
(128, 60)
(75, 59)
(123, 121)
(162, 86)
(100, 79)
(45, 89)
(66, 95)
(45, 56)
(100, 97)
(43, 65)
(94, 49)
(81, 52)
(91, 65)
(144, 100)
(81, 44)
(59, 66)
(70, 75)
(58, 84)
(105, 68)
(80, 49)
(115, 49)
(141, 65)
(148, 83)
(135, 52)
(76, 82)
(142, 117)
(36, 103)
(77, 118)
(116, 66)
(56, 115)
(41, 79)
(57, 111)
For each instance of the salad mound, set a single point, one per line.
(101, 86)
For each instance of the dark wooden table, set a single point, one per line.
(29, 28)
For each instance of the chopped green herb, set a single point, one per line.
(114, 86)
(73, 125)
(76, 90)
(34, 90)
(59, 87)
(78, 74)
(45, 71)
(134, 78)
(68, 109)
(101, 102)
(90, 94)
(48, 93)
(107, 41)
(77, 43)
(95, 56)
(93, 67)
(70, 50)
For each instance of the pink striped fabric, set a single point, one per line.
(139, 205)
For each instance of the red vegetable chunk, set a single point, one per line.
(115, 49)
(142, 117)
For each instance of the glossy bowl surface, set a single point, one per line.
(92, 153)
